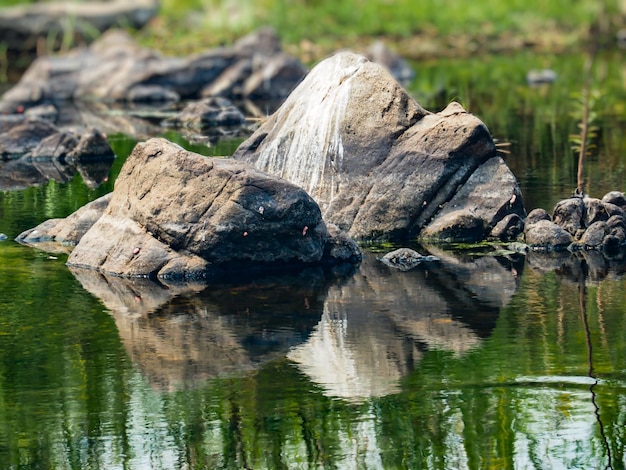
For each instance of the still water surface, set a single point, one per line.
(498, 361)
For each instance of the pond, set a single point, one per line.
(488, 359)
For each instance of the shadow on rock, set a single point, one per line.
(183, 335)
(376, 327)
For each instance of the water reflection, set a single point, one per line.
(183, 335)
(356, 335)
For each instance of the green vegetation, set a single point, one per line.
(427, 27)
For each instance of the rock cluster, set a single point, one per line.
(382, 167)
(579, 223)
(116, 69)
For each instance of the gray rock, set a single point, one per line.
(595, 211)
(569, 214)
(536, 215)
(615, 197)
(209, 112)
(594, 235)
(116, 68)
(207, 213)
(548, 235)
(406, 259)
(3, 237)
(508, 228)
(379, 52)
(377, 163)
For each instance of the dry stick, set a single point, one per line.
(580, 180)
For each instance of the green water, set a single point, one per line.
(478, 362)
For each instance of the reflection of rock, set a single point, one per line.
(359, 348)
(377, 163)
(181, 336)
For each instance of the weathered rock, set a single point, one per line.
(23, 27)
(595, 211)
(594, 235)
(377, 163)
(569, 214)
(65, 232)
(615, 197)
(548, 235)
(508, 228)
(39, 139)
(209, 112)
(178, 214)
(406, 259)
(536, 215)
(23, 138)
(115, 68)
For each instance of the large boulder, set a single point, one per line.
(378, 164)
(176, 214)
(115, 68)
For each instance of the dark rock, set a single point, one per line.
(508, 229)
(613, 209)
(23, 27)
(204, 213)
(594, 235)
(377, 163)
(615, 197)
(23, 138)
(595, 211)
(56, 146)
(209, 112)
(91, 146)
(536, 215)
(548, 235)
(569, 214)
(406, 259)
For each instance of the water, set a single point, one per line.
(474, 362)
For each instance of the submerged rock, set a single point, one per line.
(378, 164)
(406, 259)
(176, 214)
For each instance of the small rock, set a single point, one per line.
(541, 77)
(536, 215)
(547, 235)
(405, 259)
(3, 237)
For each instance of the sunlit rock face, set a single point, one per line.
(176, 214)
(378, 164)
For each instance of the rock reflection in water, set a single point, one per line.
(182, 336)
(375, 327)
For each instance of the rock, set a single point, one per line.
(68, 231)
(508, 228)
(23, 138)
(3, 237)
(615, 197)
(377, 163)
(595, 211)
(209, 112)
(536, 215)
(116, 69)
(177, 214)
(378, 52)
(569, 214)
(547, 235)
(406, 259)
(594, 235)
(38, 139)
(23, 27)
